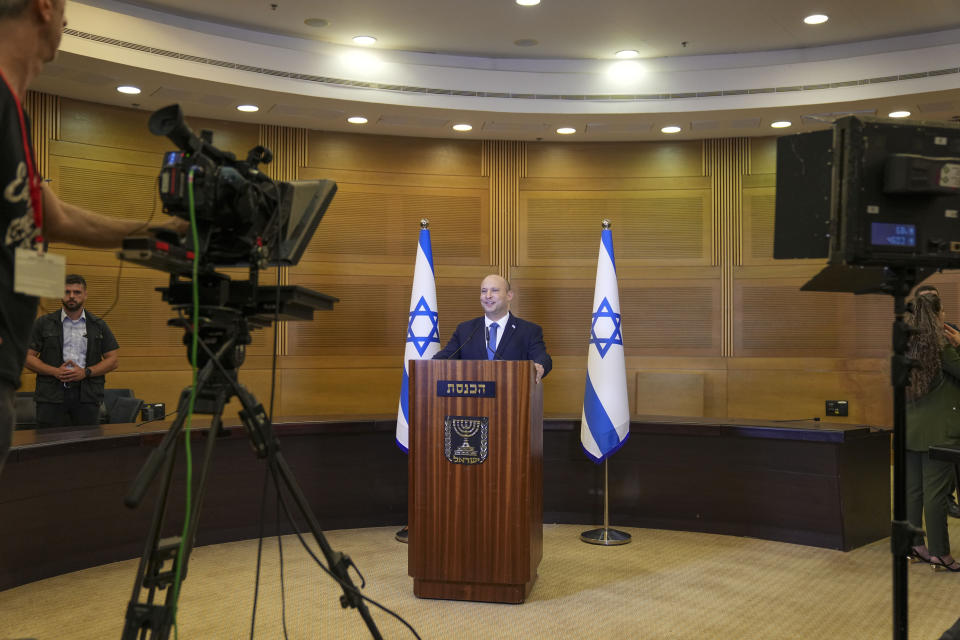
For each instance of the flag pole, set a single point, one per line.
(429, 297)
(606, 410)
(605, 536)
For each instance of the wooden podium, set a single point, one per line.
(476, 527)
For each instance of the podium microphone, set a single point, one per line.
(466, 341)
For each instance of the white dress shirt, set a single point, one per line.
(75, 338)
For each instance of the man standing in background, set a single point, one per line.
(71, 350)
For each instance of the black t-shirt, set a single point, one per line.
(17, 311)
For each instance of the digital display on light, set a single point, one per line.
(892, 234)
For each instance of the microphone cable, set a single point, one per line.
(477, 328)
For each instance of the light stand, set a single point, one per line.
(903, 534)
(897, 282)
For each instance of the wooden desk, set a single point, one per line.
(61, 491)
(812, 483)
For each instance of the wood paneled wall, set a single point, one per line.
(712, 324)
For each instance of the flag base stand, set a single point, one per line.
(606, 537)
(402, 535)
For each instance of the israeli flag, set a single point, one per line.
(606, 406)
(423, 329)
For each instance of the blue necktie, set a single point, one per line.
(492, 343)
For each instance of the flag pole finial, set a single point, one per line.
(424, 223)
(605, 224)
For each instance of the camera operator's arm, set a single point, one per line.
(68, 223)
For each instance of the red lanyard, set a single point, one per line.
(36, 198)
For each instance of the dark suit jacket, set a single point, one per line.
(521, 340)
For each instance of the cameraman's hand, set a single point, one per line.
(177, 225)
(952, 335)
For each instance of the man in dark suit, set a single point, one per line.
(498, 334)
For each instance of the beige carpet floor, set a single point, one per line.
(665, 584)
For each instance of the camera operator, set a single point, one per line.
(30, 32)
(932, 418)
(953, 509)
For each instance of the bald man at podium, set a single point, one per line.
(498, 334)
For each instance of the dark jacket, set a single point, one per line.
(521, 340)
(47, 341)
(935, 418)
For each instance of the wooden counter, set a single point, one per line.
(813, 483)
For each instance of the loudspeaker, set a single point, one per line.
(804, 176)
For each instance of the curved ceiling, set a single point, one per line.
(714, 69)
(573, 29)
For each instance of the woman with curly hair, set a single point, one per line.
(933, 417)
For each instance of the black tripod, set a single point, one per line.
(223, 333)
(903, 535)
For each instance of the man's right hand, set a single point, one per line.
(66, 372)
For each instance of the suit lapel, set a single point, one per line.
(508, 332)
(478, 349)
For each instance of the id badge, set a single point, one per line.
(39, 275)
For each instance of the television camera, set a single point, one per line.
(242, 218)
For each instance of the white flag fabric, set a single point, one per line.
(423, 329)
(606, 406)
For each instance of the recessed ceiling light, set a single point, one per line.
(627, 53)
(817, 18)
(528, 3)
(357, 120)
(781, 124)
(898, 114)
(248, 108)
(316, 22)
(671, 129)
(364, 40)
(526, 42)
(463, 127)
(565, 131)
(129, 89)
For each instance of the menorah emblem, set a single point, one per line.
(473, 435)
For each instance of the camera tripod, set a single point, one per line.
(227, 330)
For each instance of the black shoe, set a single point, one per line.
(938, 565)
(914, 556)
(953, 509)
(402, 535)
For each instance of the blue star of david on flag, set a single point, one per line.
(605, 310)
(422, 332)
